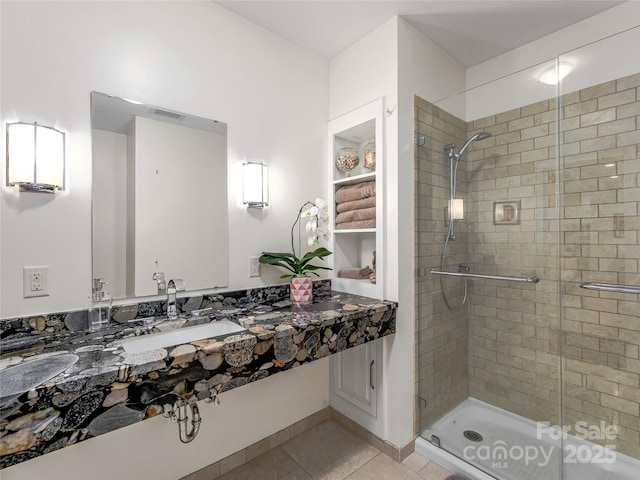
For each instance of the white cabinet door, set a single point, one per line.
(354, 373)
(356, 385)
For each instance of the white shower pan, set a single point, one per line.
(516, 448)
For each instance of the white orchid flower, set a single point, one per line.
(317, 223)
(323, 218)
(321, 205)
(323, 208)
(312, 225)
(311, 212)
(323, 232)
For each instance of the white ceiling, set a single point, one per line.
(470, 31)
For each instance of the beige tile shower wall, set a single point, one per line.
(513, 327)
(601, 243)
(442, 335)
(592, 214)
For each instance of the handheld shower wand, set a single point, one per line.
(453, 173)
(454, 158)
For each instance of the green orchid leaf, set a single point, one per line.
(316, 267)
(289, 261)
(318, 253)
(276, 255)
(285, 263)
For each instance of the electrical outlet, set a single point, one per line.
(254, 267)
(35, 281)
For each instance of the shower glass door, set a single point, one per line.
(490, 369)
(600, 257)
(554, 193)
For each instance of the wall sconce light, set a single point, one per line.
(35, 157)
(255, 193)
(457, 207)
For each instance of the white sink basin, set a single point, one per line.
(144, 343)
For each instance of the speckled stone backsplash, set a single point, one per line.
(21, 332)
(70, 385)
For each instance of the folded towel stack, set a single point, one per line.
(356, 206)
(357, 273)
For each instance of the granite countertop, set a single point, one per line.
(99, 387)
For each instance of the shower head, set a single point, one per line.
(477, 136)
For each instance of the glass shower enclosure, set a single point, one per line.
(531, 367)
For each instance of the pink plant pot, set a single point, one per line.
(301, 290)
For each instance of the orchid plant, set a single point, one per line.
(317, 217)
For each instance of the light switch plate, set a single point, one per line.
(35, 281)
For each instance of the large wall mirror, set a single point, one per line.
(159, 197)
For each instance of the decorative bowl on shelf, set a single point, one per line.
(347, 159)
(370, 155)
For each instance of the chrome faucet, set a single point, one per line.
(176, 285)
(162, 284)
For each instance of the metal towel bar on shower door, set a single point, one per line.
(486, 277)
(611, 287)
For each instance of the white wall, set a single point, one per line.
(394, 62)
(193, 57)
(186, 56)
(366, 71)
(424, 70)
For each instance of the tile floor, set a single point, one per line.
(329, 451)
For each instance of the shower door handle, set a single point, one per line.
(371, 375)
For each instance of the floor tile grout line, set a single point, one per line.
(294, 461)
(363, 465)
(281, 446)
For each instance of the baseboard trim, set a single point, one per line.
(390, 450)
(214, 470)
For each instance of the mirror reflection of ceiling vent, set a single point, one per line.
(175, 116)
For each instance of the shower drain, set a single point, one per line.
(472, 435)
